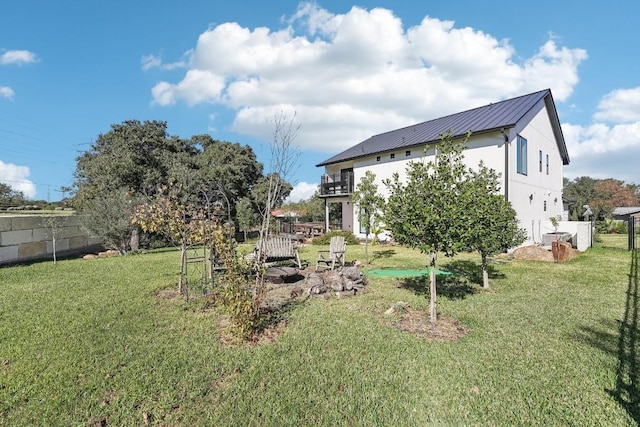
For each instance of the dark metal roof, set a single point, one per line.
(630, 210)
(509, 114)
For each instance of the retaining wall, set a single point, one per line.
(29, 237)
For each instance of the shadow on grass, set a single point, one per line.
(278, 314)
(466, 274)
(386, 253)
(451, 287)
(627, 392)
(472, 271)
(604, 338)
(625, 345)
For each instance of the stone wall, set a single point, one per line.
(29, 237)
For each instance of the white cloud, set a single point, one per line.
(14, 57)
(620, 106)
(302, 191)
(17, 57)
(198, 86)
(16, 177)
(6, 92)
(148, 62)
(604, 149)
(353, 75)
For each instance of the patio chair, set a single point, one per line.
(278, 249)
(334, 256)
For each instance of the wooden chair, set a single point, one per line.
(278, 248)
(334, 256)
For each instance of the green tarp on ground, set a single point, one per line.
(397, 272)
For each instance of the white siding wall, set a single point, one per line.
(348, 217)
(335, 169)
(528, 193)
(490, 148)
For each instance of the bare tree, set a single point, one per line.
(283, 163)
(55, 226)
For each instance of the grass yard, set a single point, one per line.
(91, 342)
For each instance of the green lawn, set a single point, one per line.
(89, 342)
(619, 241)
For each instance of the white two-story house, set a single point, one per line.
(520, 138)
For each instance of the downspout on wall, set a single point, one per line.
(505, 135)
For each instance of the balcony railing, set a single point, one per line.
(338, 184)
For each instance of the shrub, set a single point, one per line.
(326, 238)
(611, 226)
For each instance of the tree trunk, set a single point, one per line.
(183, 268)
(134, 242)
(432, 304)
(53, 247)
(366, 248)
(485, 272)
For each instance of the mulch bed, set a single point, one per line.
(417, 322)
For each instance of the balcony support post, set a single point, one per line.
(326, 215)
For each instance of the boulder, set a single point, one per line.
(539, 253)
(108, 253)
(534, 253)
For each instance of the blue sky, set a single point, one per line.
(70, 69)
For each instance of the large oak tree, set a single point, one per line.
(134, 159)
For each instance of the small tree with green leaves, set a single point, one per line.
(183, 223)
(246, 216)
(424, 210)
(492, 226)
(369, 205)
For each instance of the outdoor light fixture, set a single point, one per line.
(530, 196)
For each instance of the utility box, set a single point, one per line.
(561, 236)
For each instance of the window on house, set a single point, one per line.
(547, 164)
(521, 155)
(407, 153)
(378, 159)
(540, 159)
(393, 156)
(545, 205)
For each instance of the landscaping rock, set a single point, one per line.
(344, 294)
(334, 279)
(344, 282)
(315, 284)
(108, 254)
(318, 289)
(570, 252)
(534, 253)
(539, 253)
(354, 274)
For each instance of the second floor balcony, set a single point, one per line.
(338, 184)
